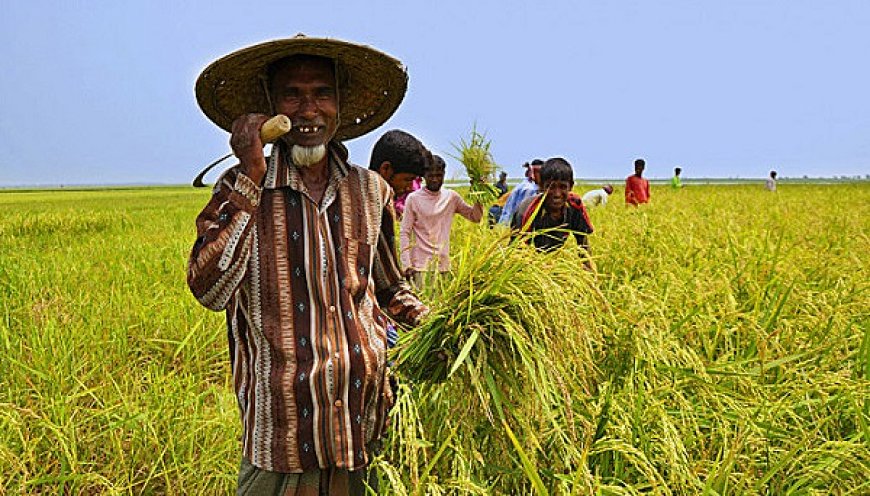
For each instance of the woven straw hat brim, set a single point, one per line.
(372, 86)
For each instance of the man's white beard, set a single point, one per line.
(306, 156)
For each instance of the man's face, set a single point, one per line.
(638, 169)
(434, 177)
(557, 194)
(401, 182)
(305, 91)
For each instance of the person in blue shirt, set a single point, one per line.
(524, 190)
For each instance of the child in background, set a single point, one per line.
(424, 236)
(551, 216)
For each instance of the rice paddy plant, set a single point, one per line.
(488, 334)
(701, 342)
(720, 347)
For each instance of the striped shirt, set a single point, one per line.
(305, 288)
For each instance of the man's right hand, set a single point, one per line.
(247, 146)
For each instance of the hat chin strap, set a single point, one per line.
(265, 87)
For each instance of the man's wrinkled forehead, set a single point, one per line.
(297, 62)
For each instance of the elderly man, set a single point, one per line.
(299, 251)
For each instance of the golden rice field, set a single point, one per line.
(721, 347)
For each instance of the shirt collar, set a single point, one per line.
(430, 192)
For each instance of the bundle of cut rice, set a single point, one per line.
(503, 312)
(480, 167)
(503, 354)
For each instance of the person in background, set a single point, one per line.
(551, 216)
(496, 209)
(400, 158)
(501, 184)
(424, 235)
(524, 190)
(416, 184)
(597, 197)
(770, 184)
(298, 252)
(676, 182)
(636, 187)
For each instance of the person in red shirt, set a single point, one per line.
(636, 187)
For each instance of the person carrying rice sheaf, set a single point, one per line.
(424, 236)
(298, 250)
(549, 217)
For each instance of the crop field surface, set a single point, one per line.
(720, 346)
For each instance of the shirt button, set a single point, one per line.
(335, 355)
(332, 308)
(338, 403)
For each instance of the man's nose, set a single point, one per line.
(308, 107)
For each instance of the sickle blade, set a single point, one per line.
(197, 181)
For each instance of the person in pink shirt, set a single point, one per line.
(424, 236)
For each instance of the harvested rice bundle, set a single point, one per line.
(491, 315)
(500, 361)
(477, 159)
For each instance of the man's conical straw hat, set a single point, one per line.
(371, 83)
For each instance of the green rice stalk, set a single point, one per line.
(475, 155)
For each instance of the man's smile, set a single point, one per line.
(307, 129)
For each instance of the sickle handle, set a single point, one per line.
(271, 130)
(274, 128)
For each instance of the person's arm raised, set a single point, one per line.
(218, 260)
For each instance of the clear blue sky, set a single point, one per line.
(101, 92)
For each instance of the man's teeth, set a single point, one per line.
(308, 129)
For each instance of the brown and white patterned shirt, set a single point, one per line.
(303, 286)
